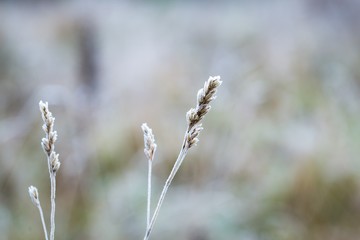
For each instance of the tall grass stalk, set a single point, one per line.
(149, 150)
(34, 195)
(193, 116)
(53, 163)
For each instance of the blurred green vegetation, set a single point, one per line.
(278, 156)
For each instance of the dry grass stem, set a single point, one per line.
(193, 117)
(48, 145)
(34, 195)
(149, 150)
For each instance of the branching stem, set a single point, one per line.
(172, 174)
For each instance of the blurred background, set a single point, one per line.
(279, 154)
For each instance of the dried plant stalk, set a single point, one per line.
(149, 150)
(193, 117)
(48, 145)
(34, 195)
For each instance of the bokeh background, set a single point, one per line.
(279, 154)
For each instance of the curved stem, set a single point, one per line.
(172, 174)
(43, 221)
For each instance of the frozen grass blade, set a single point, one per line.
(34, 195)
(53, 163)
(193, 117)
(149, 150)
(48, 144)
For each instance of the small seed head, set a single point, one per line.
(149, 142)
(34, 195)
(54, 162)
